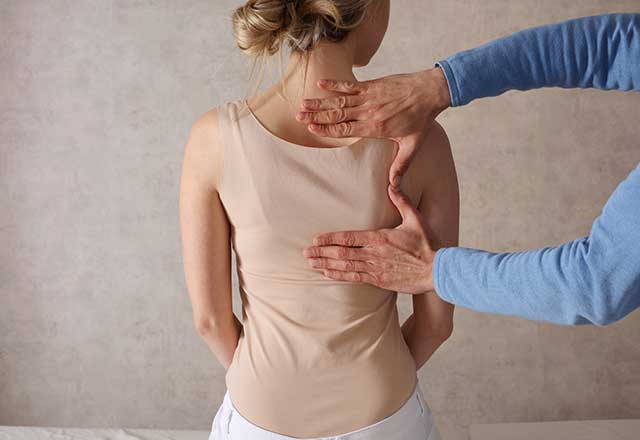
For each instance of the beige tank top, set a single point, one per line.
(316, 357)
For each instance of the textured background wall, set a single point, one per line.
(95, 105)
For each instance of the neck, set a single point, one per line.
(326, 61)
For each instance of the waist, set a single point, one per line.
(321, 402)
(414, 410)
(302, 370)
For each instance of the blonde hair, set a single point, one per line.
(264, 27)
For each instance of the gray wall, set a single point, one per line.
(95, 105)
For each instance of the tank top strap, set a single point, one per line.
(231, 137)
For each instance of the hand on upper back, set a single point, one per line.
(398, 107)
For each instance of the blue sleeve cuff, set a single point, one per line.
(438, 282)
(454, 90)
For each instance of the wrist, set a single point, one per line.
(440, 89)
(427, 274)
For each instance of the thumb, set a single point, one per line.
(407, 148)
(403, 204)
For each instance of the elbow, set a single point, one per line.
(443, 332)
(608, 309)
(603, 318)
(207, 326)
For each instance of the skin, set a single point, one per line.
(205, 227)
(205, 241)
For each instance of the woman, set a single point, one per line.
(312, 357)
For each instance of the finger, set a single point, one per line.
(403, 204)
(337, 253)
(400, 165)
(347, 238)
(351, 87)
(333, 102)
(342, 265)
(355, 277)
(333, 116)
(343, 129)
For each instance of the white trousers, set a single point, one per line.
(413, 421)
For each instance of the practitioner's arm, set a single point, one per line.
(600, 52)
(591, 280)
(595, 279)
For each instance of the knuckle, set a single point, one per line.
(345, 128)
(357, 277)
(349, 239)
(386, 266)
(380, 126)
(337, 115)
(349, 266)
(318, 241)
(342, 101)
(343, 253)
(381, 238)
(320, 129)
(383, 278)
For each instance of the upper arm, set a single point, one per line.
(440, 207)
(203, 223)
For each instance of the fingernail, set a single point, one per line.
(300, 116)
(323, 82)
(306, 252)
(396, 182)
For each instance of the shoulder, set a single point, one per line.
(209, 125)
(203, 148)
(434, 155)
(433, 167)
(434, 144)
(205, 126)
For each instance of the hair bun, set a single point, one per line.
(259, 24)
(261, 27)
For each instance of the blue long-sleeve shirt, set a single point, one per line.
(595, 279)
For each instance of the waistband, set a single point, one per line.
(415, 406)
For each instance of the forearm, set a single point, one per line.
(421, 342)
(592, 52)
(595, 279)
(221, 336)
